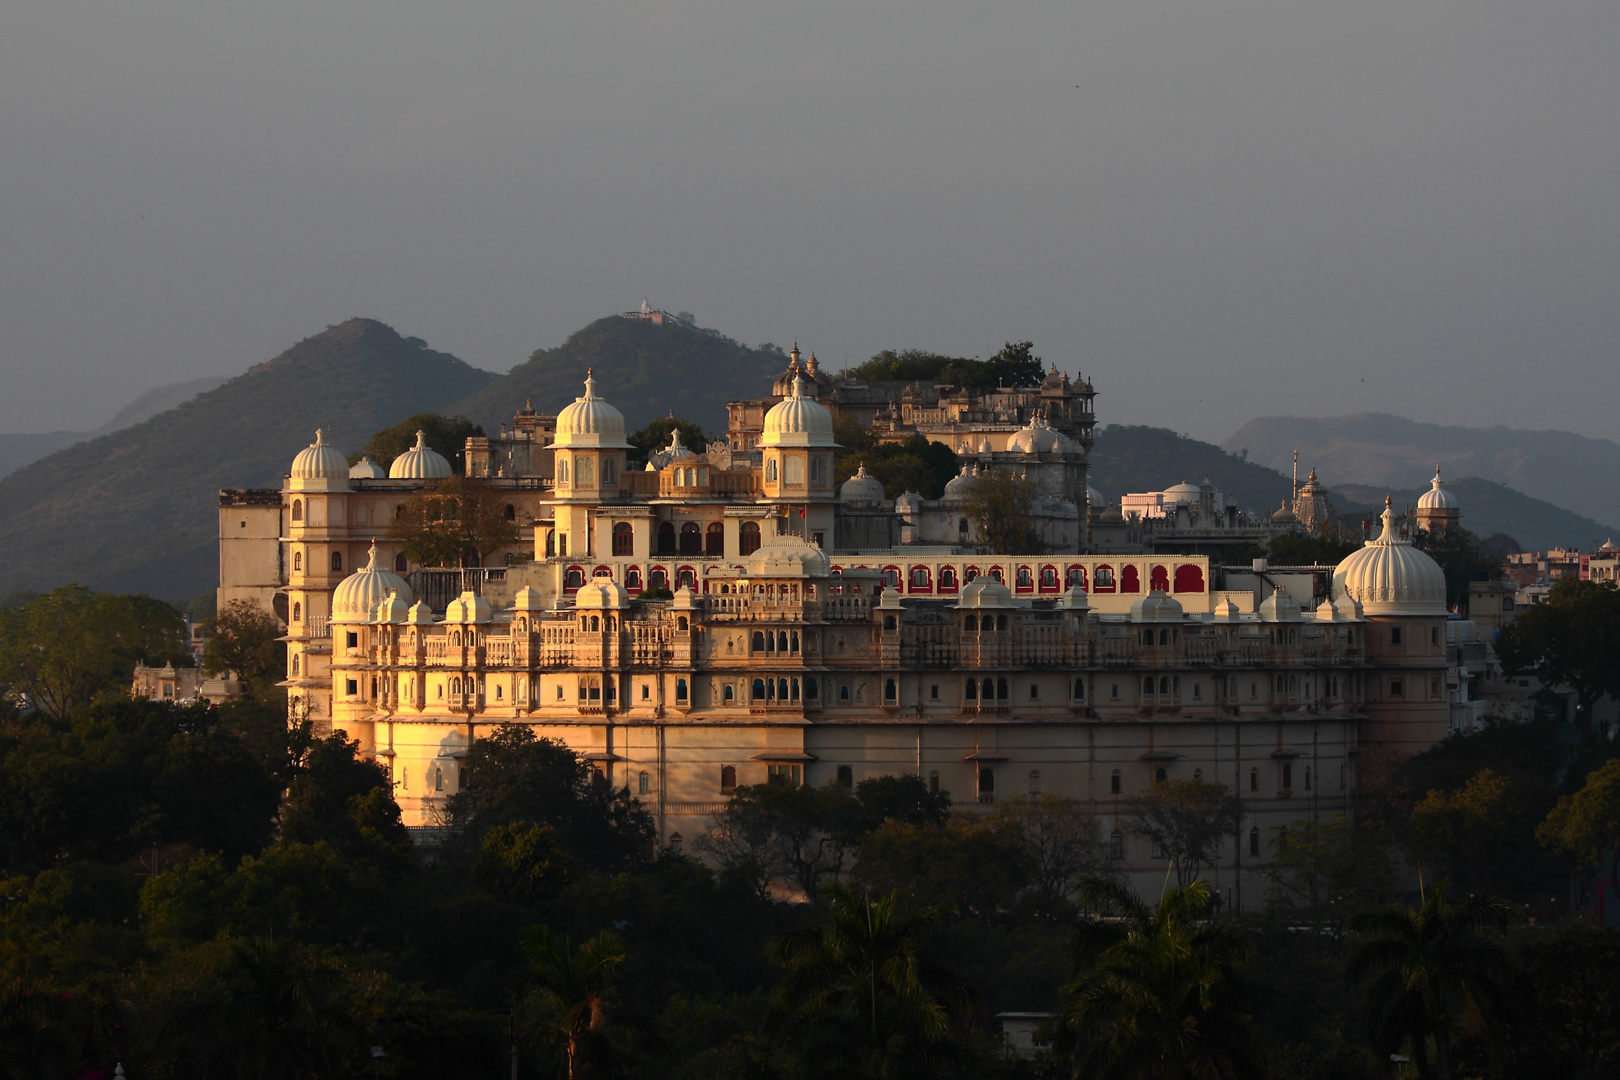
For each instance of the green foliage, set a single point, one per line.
(1014, 366)
(1587, 823)
(1566, 1019)
(571, 1007)
(1190, 820)
(338, 798)
(1570, 639)
(65, 648)
(999, 506)
(1461, 556)
(1290, 550)
(246, 639)
(522, 863)
(966, 867)
(915, 464)
(1428, 971)
(655, 437)
(447, 435)
(1161, 993)
(1327, 869)
(1059, 842)
(458, 521)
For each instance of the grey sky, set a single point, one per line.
(1241, 209)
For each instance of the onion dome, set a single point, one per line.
(909, 502)
(320, 461)
(1094, 498)
(1226, 612)
(1328, 611)
(1074, 599)
(420, 614)
(527, 599)
(602, 592)
(675, 451)
(1279, 607)
(366, 469)
(984, 446)
(862, 489)
(391, 610)
(798, 420)
(1437, 497)
(985, 591)
(959, 485)
(1157, 606)
(788, 556)
(1182, 492)
(358, 595)
(590, 421)
(419, 463)
(1391, 577)
(1283, 515)
(469, 607)
(1039, 437)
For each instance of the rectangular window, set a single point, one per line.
(353, 639)
(1396, 688)
(1034, 692)
(933, 691)
(351, 687)
(1394, 635)
(1434, 635)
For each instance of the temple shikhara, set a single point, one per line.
(737, 613)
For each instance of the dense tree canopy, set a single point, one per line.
(447, 435)
(915, 464)
(1014, 366)
(459, 521)
(655, 437)
(1000, 507)
(246, 639)
(1570, 639)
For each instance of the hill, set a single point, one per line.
(134, 511)
(1567, 470)
(1488, 508)
(645, 370)
(18, 450)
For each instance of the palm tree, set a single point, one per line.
(1431, 971)
(572, 998)
(1160, 995)
(859, 999)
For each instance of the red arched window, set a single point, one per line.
(1105, 578)
(1129, 579)
(748, 538)
(1159, 579)
(714, 541)
(1049, 578)
(1075, 575)
(921, 580)
(624, 539)
(1189, 578)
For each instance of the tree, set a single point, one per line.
(1472, 836)
(1287, 549)
(459, 521)
(780, 832)
(64, 648)
(1000, 506)
(1430, 972)
(571, 1005)
(904, 797)
(1188, 819)
(522, 863)
(446, 435)
(1160, 993)
(245, 638)
(342, 799)
(1587, 823)
(1328, 868)
(276, 1022)
(914, 464)
(859, 999)
(1058, 841)
(1570, 639)
(1460, 555)
(1566, 1016)
(962, 865)
(655, 437)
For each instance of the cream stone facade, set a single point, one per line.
(779, 655)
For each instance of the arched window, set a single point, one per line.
(643, 784)
(632, 578)
(989, 690)
(1189, 578)
(728, 779)
(680, 622)
(438, 778)
(298, 560)
(1159, 578)
(1159, 775)
(714, 541)
(846, 777)
(1076, 575)
(1048, 577)
(624, 539)
(970, 625)
(298, 509)
(748, 538)
(691, 538)
(510, 512)
(337, 562)
(1147, 685)
(680, 690)
(584, 474)
(295, 664)
(1025, 579)
(1113, 783)
(972, 689)
(989, 623)
(562, 472)
(687, 578)
(1129, 580)
(890, 691)
(933, 782)
(298, 613)
(728, 695)
(658, 578)
(1034, 781)
(758, 690)
(1001, 689)
(574, 579)
(889, 622)
(987, 784)
(770, 471)
(1001, 622)
(1079, 689)
(947, 578)
(1287, 775)
(793, 470)
(1105, 579)
(919, 577)
(401, 565)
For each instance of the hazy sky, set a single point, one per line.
(1216, 210)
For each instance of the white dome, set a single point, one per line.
(1437, 497)
(985, 591)
(602, 592)
(320, 461)
(591, 421)
(1093, 496)
(863, 487)
(959, 485)
(358, 595)
(419, 463)
(1391, 577)
(1157, 606)
(366, 469)
(909, 502)
(391, 610)
(469, 607)
(1280, 607)
(1039, 437)
(798, 420)
(788, 556)
(1182, 492)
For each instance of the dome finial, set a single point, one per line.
(320, 437)
(590, 383)
(421, 440)
(371, 561)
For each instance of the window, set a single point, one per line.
(1001, 689)
(351, 687)
(791, 775)
(846, 777)
(1434, 635)
(658, 579)
(1034, 692)
(972, 689)
(298, 560)
(643, 784)
(510, 512)
(1079, 689)
(401, 565)
(574, 579)
(1159, 775)
(624, 539)
(987, 784)
(1307, 778)
(818, 469)
(680, 690)
(1034, 781)
(438, 778)
(1048, 577)
(1254, 842)
(947, 578)
(666, 538)
(748, 538)
(1113, 783)
(295, 664)
(337, 562)
(890, 691)
(714, 541)
(1104, 579)
(728, 779)
(298, 509)
(793, 470)
(919, 577)
(1158, 849)
(1254, 779)
(1024, 578)
(1198, 774)
(584, 475)
(1397, 688)
(1394, 635)
(1116, 845)
(933, 692)
(1287, 775)
(632, 578)
(562, 472)
(352, 639)
(933, 782)
(691, 538)
(770, 471)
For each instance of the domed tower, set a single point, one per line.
(797, 446)
(317, 558)
(590, 451)
(420, 462)
(1438, 512)
(1402, 595)
(356, 603)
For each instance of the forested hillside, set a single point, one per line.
(135, 511)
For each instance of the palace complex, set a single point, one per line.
(737, 614)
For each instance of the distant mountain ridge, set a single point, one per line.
(643, 369)
(136, 510)
(20, 449)
(1579, 474)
